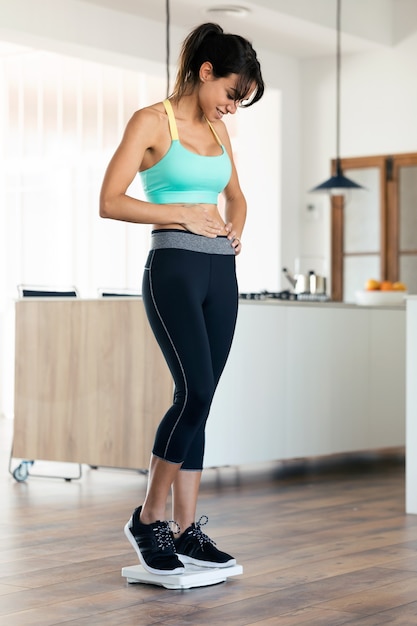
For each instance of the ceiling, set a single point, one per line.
(299, 28)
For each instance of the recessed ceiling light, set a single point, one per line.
(231, 10)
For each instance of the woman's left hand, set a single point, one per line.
(233, 238)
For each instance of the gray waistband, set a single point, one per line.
(184, 240)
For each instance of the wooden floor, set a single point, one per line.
(321, 543)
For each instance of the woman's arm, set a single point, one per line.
(235, 209)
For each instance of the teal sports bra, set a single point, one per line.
(182, 176)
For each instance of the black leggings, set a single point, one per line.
(191, 302)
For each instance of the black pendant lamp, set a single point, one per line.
(337, 184)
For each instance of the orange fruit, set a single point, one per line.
(386, 285)
(398, 286)
(372, 284)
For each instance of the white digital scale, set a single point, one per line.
(193, 576)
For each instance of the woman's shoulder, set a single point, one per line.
(148, 121)
(153, 114)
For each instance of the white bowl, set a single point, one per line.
(380, 298)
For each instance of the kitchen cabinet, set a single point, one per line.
(308, 379)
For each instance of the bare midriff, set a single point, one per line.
(212, 212)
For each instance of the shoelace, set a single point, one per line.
(198, 533)
(164, 535)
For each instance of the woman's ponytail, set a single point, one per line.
(191, 46)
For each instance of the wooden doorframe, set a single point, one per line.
(337, 220)
(337, 233)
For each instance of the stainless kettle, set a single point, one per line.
(299, 282)
(306, 283)
(317, 283)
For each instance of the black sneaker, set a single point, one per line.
(195, 547)
(154, 545)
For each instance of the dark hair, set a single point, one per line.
(228, 54)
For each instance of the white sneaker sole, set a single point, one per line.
(190, 560)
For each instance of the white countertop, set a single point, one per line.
(327, 305)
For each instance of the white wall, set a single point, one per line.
(378, 113)
(87, 31)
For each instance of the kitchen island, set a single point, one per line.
(303, 379)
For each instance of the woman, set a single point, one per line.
(182, 150)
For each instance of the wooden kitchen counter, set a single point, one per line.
(90, 382)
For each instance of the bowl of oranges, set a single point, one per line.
(381, 293)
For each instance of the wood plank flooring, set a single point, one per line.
(322, 543)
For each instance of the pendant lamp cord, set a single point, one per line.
(168, 19)
(338, 66)
(337, 181)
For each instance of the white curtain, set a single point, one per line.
(62, 120)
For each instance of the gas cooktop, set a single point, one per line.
(285, 295)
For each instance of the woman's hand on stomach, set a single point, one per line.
(200, 219)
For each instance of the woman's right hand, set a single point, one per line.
(199, 220)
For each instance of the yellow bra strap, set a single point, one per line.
(173, 124)
(219, 141)
(171, 119)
